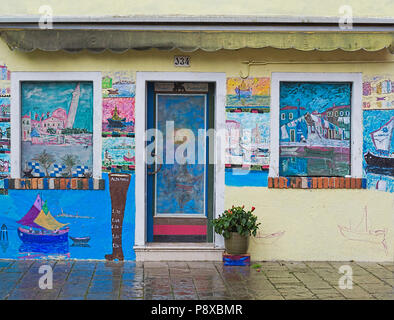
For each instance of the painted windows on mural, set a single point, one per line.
(315, 129)
(56, 129)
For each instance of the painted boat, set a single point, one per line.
(128, 158)
(27, 235)
(242, 91)
(80, 240)
(364, 233)
(116, 121)
(113, 91)
(39, 226)
(378, 161)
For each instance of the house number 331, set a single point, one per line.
(181, 61)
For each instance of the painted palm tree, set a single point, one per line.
(69, 160)
(45, 160)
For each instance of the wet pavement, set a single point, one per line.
(194, 280)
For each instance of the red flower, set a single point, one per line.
(253, 208)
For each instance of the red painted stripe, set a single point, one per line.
(163, 229)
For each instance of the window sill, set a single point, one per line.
(316, 183)
(53, 184)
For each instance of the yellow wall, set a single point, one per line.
(309, 218)
(361, 8)
(309, 221)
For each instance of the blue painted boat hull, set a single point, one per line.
(42, 238)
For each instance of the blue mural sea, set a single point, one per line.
(87, 213)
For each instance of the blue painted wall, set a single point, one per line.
(92, 203)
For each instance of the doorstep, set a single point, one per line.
(179, 251)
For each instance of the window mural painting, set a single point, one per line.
(314, 129)
(180, 186)
(379, 149)
(57, 129)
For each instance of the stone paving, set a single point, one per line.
(194, 280)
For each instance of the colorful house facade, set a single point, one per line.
(128, 139)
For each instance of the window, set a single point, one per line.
(61, 114)
(283, 116)
(333, 148)
(290, 116)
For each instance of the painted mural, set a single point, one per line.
(363, 232)
(247, 139)
(180, 187)
(118, 115)
(378, 148)
(378, 92)
(57, 129)
(119, 152)
(5, 129)
(247, 131)
(76, 224)
(118, 84)
(314, 129)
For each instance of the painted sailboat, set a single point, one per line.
(39, 226)
(381, 139)
(363, 233)
(243, 91)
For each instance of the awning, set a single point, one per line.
(187, 41)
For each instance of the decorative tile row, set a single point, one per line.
(317, 183)
(53, 183)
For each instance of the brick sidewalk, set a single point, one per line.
(194, 280)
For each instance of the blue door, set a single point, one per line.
(179, 192)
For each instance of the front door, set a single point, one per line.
(179, 177)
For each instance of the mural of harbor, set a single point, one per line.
(247, 138)
(315, 129)
(57, 129)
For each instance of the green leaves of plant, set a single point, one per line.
(236, 219)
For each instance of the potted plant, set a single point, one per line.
(236, 225)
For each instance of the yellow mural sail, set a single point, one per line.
(47, 221)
